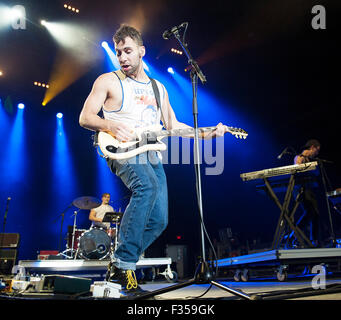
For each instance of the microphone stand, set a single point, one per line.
(203, 273)
(61, 227)
(5, 216)
(2, 236)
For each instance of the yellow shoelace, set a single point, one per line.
(131, 280)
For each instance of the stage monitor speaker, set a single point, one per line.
(64, 284)
(9, 240)
(8, 259)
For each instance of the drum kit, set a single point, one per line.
(97, 242)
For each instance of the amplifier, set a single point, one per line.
(9, 240)
(8, 259)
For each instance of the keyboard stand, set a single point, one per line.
(286, 219)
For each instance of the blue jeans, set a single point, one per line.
(146, 215)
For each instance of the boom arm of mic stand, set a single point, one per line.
(191, 61)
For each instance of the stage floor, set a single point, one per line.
(256, 290)
(300, 283)
(265, 289)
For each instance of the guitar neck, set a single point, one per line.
(182, 132)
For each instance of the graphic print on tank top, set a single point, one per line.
(139, 107)
(145, 100)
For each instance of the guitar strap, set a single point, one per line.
(157, 94)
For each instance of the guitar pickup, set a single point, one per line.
(151, 137)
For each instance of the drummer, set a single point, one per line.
(97, 214)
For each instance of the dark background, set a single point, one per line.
(268, 71)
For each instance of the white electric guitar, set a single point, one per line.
(147, 139)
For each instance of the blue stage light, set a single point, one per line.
(63, 177)
(21, 106)
(59, 115)
(112, 60)
(170, 70)
(105, 44)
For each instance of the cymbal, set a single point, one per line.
(86, 203)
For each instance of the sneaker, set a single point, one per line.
(126, 278)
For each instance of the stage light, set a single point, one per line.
(59, 115)
(105, 45)
(43, 23)
(78, 53)
(113, 63)
(66, 6)
(176, 51)
(40, 84)
(170, 70)
(1, 73)
(14, 167)
(62, 173)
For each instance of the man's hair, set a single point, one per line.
(105, 194)
(128, 31)
(312, 142)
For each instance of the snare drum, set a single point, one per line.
(94, 244)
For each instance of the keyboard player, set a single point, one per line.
(309, 151)
(309, 200)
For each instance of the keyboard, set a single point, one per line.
(266, 173)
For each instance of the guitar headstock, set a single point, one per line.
(237, 132)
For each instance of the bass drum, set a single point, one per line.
(94, 244)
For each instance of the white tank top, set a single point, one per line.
(139, 107)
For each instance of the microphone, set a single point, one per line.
(282, 153)
(166, 35)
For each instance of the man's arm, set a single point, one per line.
(92, 216)
(89, 117)
(171, 122)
